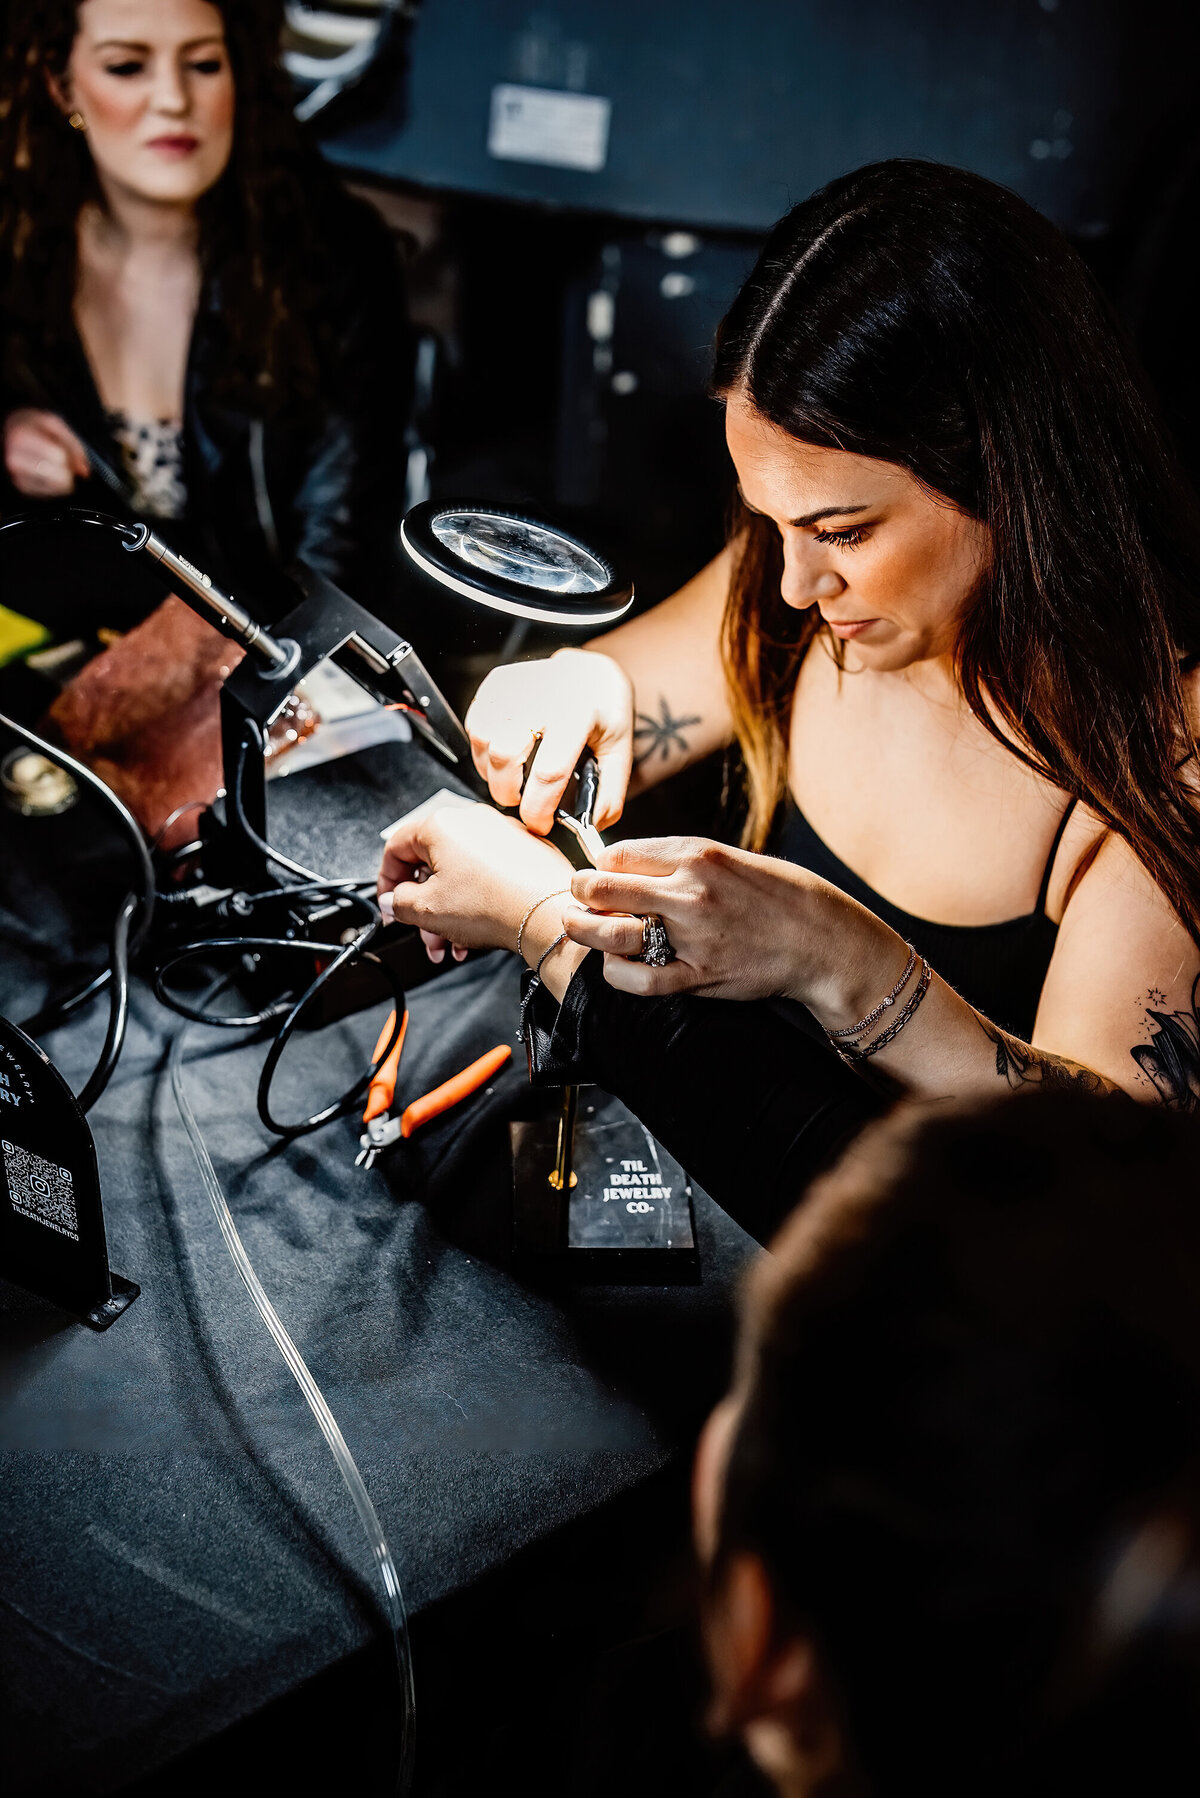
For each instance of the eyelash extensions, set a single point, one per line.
(850, 538)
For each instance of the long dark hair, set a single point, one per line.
(923, 316)
(969, 1439)
(257, 236)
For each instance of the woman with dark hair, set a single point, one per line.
(952, 635)
(948, 1516)
(192, 305)
(186, 290)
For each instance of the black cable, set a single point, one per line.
(189, 805)
(129, 823)
(352, 952)
(124, 945)
(351, 890)
(118, 1014)
(246, 944)
(261, 844)
(56, 1012)
(290, 1011)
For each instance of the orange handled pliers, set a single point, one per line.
(382, 1129)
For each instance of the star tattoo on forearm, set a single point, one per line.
(665, 733)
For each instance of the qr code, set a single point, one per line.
(41, 1190)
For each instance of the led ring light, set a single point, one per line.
(512, 563)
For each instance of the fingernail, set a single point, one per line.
(459, 953)
(387, 905)
(435, 955)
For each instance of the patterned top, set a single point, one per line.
(152, 453)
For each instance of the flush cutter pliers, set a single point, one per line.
(382, 1129)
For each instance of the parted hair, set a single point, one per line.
(924, 316)
(968, 1447)
(258, 232)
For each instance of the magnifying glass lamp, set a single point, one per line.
(508, 562)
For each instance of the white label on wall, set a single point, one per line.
(540, 124)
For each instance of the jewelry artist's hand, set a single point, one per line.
(43, 456)
(742, 926)
(574, 699)
(465, 875)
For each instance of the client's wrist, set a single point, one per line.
(546, 947)
(527, 932)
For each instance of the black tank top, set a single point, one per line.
(998, 968)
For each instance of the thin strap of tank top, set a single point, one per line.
(1053, 856)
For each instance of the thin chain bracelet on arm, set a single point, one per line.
(864, 1024)
(558, 893)
(855, 1054)
(532, 988)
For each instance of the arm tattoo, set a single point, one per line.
(1171, 1059)
(665, 733)
(1018, 1064)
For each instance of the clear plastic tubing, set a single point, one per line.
(385, 1566)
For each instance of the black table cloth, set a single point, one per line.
(177, 1550)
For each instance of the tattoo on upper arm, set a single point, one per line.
(1019, 1064)
(1171, 1059)
(665, 733)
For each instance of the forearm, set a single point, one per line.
(672, 658)
(946, 1049)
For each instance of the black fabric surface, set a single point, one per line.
(177, 1549)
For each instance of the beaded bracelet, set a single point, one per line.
(864, 1024)
(853, 1054)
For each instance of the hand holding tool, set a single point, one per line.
(579, 803)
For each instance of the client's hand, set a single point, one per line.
(742, 926)
(467, 875)
(43, 456)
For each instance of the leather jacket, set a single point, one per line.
(324, 486)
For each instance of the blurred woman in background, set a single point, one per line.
(189, 299)
(187, 289)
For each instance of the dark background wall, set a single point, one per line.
(586, 182)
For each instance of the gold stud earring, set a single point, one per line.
(76, 121)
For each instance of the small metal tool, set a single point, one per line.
(578, 804)
(379, 1135)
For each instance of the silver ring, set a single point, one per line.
(656, 944)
